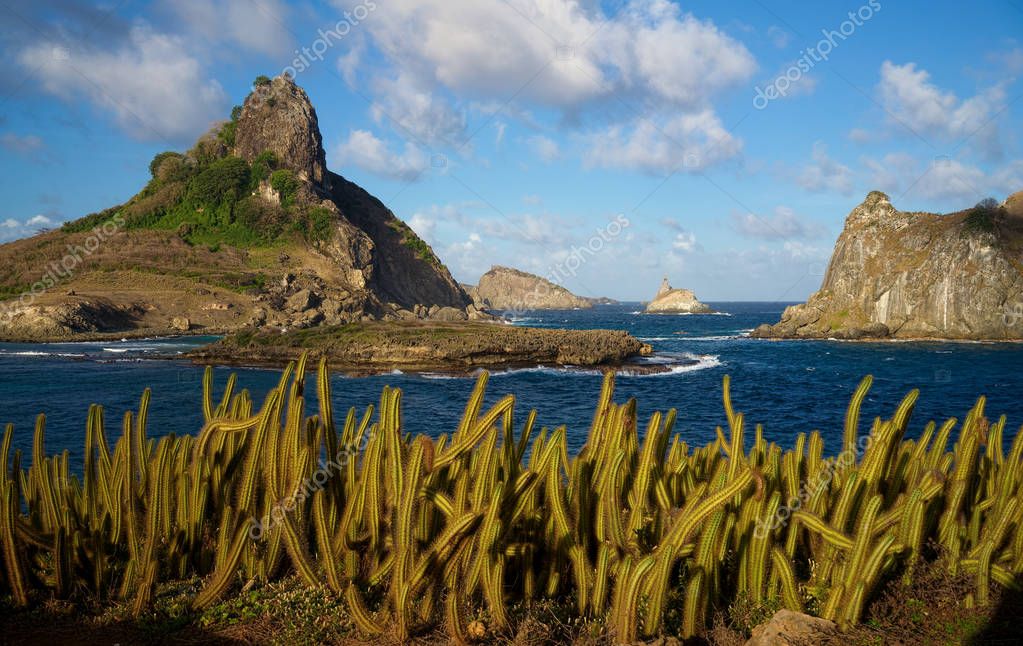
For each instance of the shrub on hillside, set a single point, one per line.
(284, 182)
(223, 181)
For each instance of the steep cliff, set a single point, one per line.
(675, 301)
(917, 275)
(504, 288)
(249, 227)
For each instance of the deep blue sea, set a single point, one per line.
(788, 386)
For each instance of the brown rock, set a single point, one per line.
(504, 288)
(675, 301)
(788, 628)
(895, 274)
(181, 323)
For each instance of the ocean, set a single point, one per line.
(788, 386)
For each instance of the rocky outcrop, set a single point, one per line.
(904, 275)
(75, 316)
(378, 346)
(279, 117)
(362, 262)
(504, 288)
(675, 301)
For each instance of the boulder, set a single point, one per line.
(788, 628)
(181, 323)
(450, 314)
(302, 300)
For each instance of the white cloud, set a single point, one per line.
(499, 129)
(687, 142)
(364, 150)
(154, 88)
(12, 229)
(545, 148)
(564, 55)
(952, 182)
(348, 64)
(23, 145)
(779, 37)
(913, 101)
(825, 174)
(424, 115)
(859, 135)
(1011, 60)
(684, 241)
(255, 26)
(424, 226)
(784, 224)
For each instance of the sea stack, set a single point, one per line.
(903, 275)
(675, 301)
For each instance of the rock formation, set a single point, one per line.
(504, 288)
(247, 228)
(675, 301)
(917, 275)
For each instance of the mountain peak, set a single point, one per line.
(278, 116)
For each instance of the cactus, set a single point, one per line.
(413, 530)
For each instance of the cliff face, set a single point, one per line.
(916, 275)
(504, 288)
(675, 301)
(247, 228)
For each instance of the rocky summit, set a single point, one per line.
(248, 228)
(675, 301)
(904, 275)
(504, 288)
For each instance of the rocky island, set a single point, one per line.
(377, 346)
(676, 301)
(901, 275)
(505, 288)
(249, 231)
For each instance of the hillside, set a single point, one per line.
(895, 274)
(247, 227)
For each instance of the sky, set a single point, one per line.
(601, 144)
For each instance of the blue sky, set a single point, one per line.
(519, 132)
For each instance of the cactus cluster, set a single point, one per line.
(640, 531)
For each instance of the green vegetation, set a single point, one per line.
(983, 217)
(410, 239)
(636, 535)
(283, 181)
(262, 79)
(209, 198)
